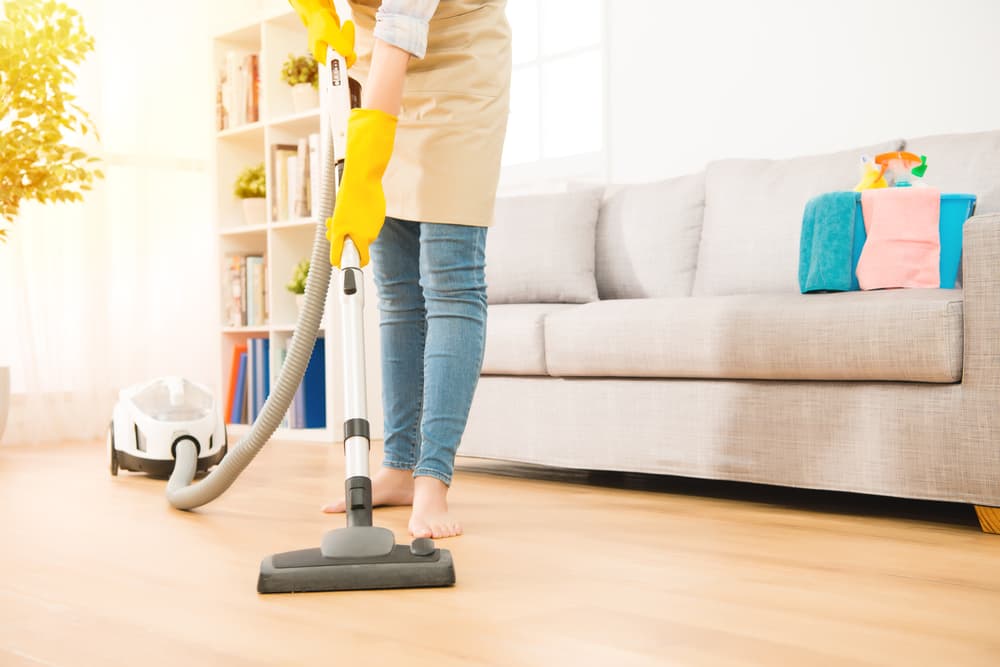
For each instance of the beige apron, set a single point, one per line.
(446, 161)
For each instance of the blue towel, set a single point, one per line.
(826, 249)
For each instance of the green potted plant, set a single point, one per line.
(302, 74)
(251, 187)
(40, 43)
(297, 285)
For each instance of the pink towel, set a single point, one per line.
(904, 244)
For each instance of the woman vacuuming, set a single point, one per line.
(436, 83)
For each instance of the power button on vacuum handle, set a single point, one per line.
(422, 546)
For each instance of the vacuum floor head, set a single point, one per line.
(418, 565)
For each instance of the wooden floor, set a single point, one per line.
(97, 570)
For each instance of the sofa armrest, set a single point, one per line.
(981, 310)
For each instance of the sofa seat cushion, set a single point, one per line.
(905, 335)
(515, 338)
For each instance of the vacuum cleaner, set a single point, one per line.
(152, 418)
(359, 555)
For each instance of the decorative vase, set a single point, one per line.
(304, 97)
(255, 210)
(4, 397)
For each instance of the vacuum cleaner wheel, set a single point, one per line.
(111, 450)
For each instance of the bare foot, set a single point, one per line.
(389, 487)
(430, 517)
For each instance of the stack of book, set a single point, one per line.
(237, 93)
(245, 290)
(294, 185)
(250, 382)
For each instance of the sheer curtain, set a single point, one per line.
(124, 287)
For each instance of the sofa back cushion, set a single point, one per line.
(753, 218)
(540, 248)
(647, 238)
(965, 163)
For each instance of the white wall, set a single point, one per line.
(696, 81)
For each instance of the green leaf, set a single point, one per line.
(40, 43)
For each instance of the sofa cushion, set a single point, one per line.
(753, 218)
(906, 335)
(541, 248)
(647, 238)
(515, 338)
(967, 163)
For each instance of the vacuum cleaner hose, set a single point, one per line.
(184, 495)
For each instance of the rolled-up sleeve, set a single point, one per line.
(404, 24)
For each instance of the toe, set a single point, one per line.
(334, 508)
(418, 529)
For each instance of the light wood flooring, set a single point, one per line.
(555, 568)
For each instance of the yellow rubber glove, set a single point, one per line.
(360, 208)
(321, 20)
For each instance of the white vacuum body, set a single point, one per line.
(152, 418)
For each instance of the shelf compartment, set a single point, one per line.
(298, 124)
(248, 132)
(237, 230)
(295, 223)
(261, 329)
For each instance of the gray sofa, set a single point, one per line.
(659, 328)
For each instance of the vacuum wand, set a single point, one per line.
(336, 100)
(359, 556)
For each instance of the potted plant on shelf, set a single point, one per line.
(252, 189)
(297, 286)
(41, 41)
(302, 74)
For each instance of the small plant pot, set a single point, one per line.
(4, 397)
(255, 210)
(300, 303)
(304, 97)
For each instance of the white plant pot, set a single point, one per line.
(255, 210)
(4, 397)
(300, 302)
(304, 97)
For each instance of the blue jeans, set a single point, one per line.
(431, 282)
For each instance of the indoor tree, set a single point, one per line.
(41, 42)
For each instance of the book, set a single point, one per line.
(260, 296)
(243, 291)
(236, 415)
(260, 379)
(234, 271)
(252, 66)
(221, 116)
(314, 175)
(238, 89)
(250, 292)
(314, 388)
(233, 91)
(255, 291)
(251, 399)
(302, 180)
(239, 352)
(278, 187)
(292, 186)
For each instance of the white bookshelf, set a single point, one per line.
(283, 243)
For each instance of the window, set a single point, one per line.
(557, 87)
